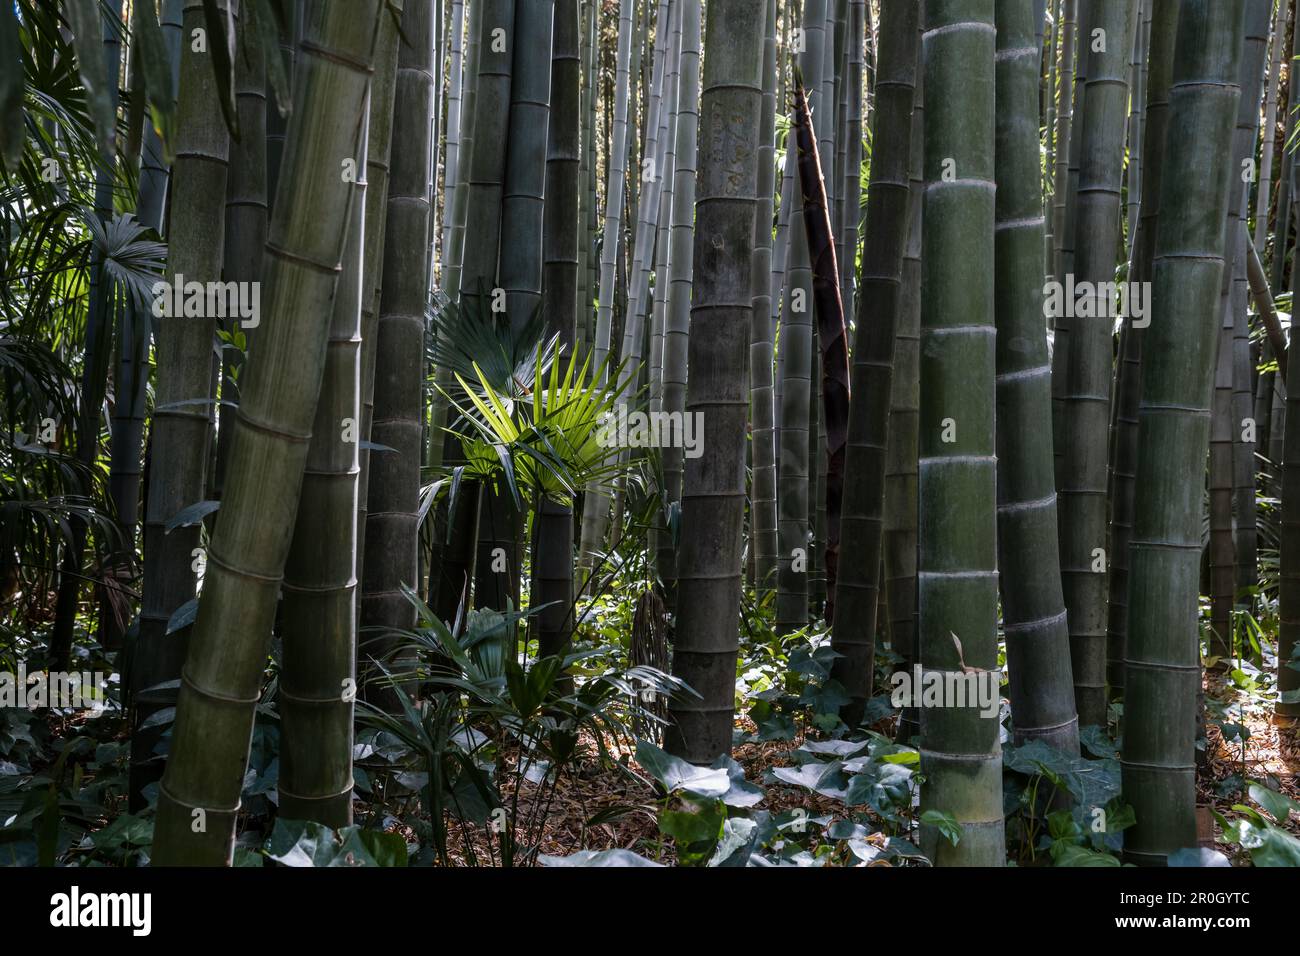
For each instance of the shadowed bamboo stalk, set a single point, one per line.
(796, 464)
(492, 42)
(1061, 139)
(663, 227)
(1033, 607)
(957, 566)
(831, 365)
(134, 336)
(455, 93)
(1225, 428)
(181, 434)
(1264, 193)
(393, 495)
(1163, 670)
(1067, 180)
(681, 270)
(901, 479)
(199, 797)
(1085, 415)
(519, 271)
(595, 509)
(319, 594)
(763, 489)
(888, 200)
(713, 487)
(553, 550)
(379, 141)
(1128, 390)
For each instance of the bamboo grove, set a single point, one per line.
(408, 402)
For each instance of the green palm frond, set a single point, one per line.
(549, 442)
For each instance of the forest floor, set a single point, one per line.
(616, 806)
(1270, 754)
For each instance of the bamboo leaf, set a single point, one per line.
(219, 50)
(84, 20)
(191, 514)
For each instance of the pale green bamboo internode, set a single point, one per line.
(199, 798)
(957, 563)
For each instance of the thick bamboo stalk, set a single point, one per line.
(713, 486)
(901, 462)
(1033, 607)
(1128, 391)
(1163, 670)
(888, 194)
(795, 549)
(199, 797)
(553, 549)
(379, 137)
(319, 631)
(957, 566)
(182, 433)
(393, 494)
(1085, 417)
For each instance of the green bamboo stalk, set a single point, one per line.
(1264, 192)
(1163, 670)
(492, 41)
(319, 631)
(553, 548)
(181, 434)
(1225, 426)
(379, 135)
(519, 271)
(901, 462)
(199, 797)
(134, 336)
(957, 566)
(762, 410)
(1064, 124)
(1128, 390)
(1033, 607)
(713, 488)
(595, 511)
(794, 529)
(663, 229)
(888, 193)
(104, 27)
(246, 214)
(681, 269)
(1086, 396)
(455, 95)
(393, 492)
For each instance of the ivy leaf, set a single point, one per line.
(675, 774)
(945, 823)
